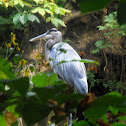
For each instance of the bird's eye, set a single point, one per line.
(53, 30)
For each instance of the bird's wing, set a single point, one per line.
(68, 71)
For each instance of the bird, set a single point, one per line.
(60, 55)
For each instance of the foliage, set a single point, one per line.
(112, 101)
(110, 85)
(114, 86)
(82, 60)
(92, 78)
(24, 11)
(35, 103)
(95, 5)
(111, 28)
(112, 24)
(4, 68)
(100, 45)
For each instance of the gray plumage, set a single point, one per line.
(74, 73)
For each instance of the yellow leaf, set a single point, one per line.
(18, 48)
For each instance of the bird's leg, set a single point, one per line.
(69, 120)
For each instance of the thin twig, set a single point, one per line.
(77, 36)
(18, 9)
(105, 60)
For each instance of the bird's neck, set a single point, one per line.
(49, 44)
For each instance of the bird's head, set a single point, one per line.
(50, 34)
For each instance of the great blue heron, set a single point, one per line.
(74, 73)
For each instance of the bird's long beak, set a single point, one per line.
(38, 37)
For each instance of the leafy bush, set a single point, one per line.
(111, 28)
(47, 94)
(25, 11)
(110, 85)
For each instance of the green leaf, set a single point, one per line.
(31, 17)
(114, 110)
(2, 120)
(109, 25)
(81, 123)
(99, 108)
(16, 18)
(11, 108)
(121, 16)
(121, 118)
(23, 18)
(37, 1)
(95, 50)
(16, 58)
(102, 47)
(87, 61)
(21, 3)
(46, 5)
(5, 20)
(50, 59)
(56, 21)
(92, 5)
(34, 112)
(109, 18)
(63, 50)
(35, 10)
(2, 88)
(57, 10)
(118, 124)
(48, 11)
(104, 117)
(64, 10)
(37, 19)
(102, 27)
(82, 60)
(40, 80)
(21, 85)
(99, 43)
(49, 92)
(41, 11)
(53, 78)
(5, 70)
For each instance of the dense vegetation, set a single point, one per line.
(32, 96)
